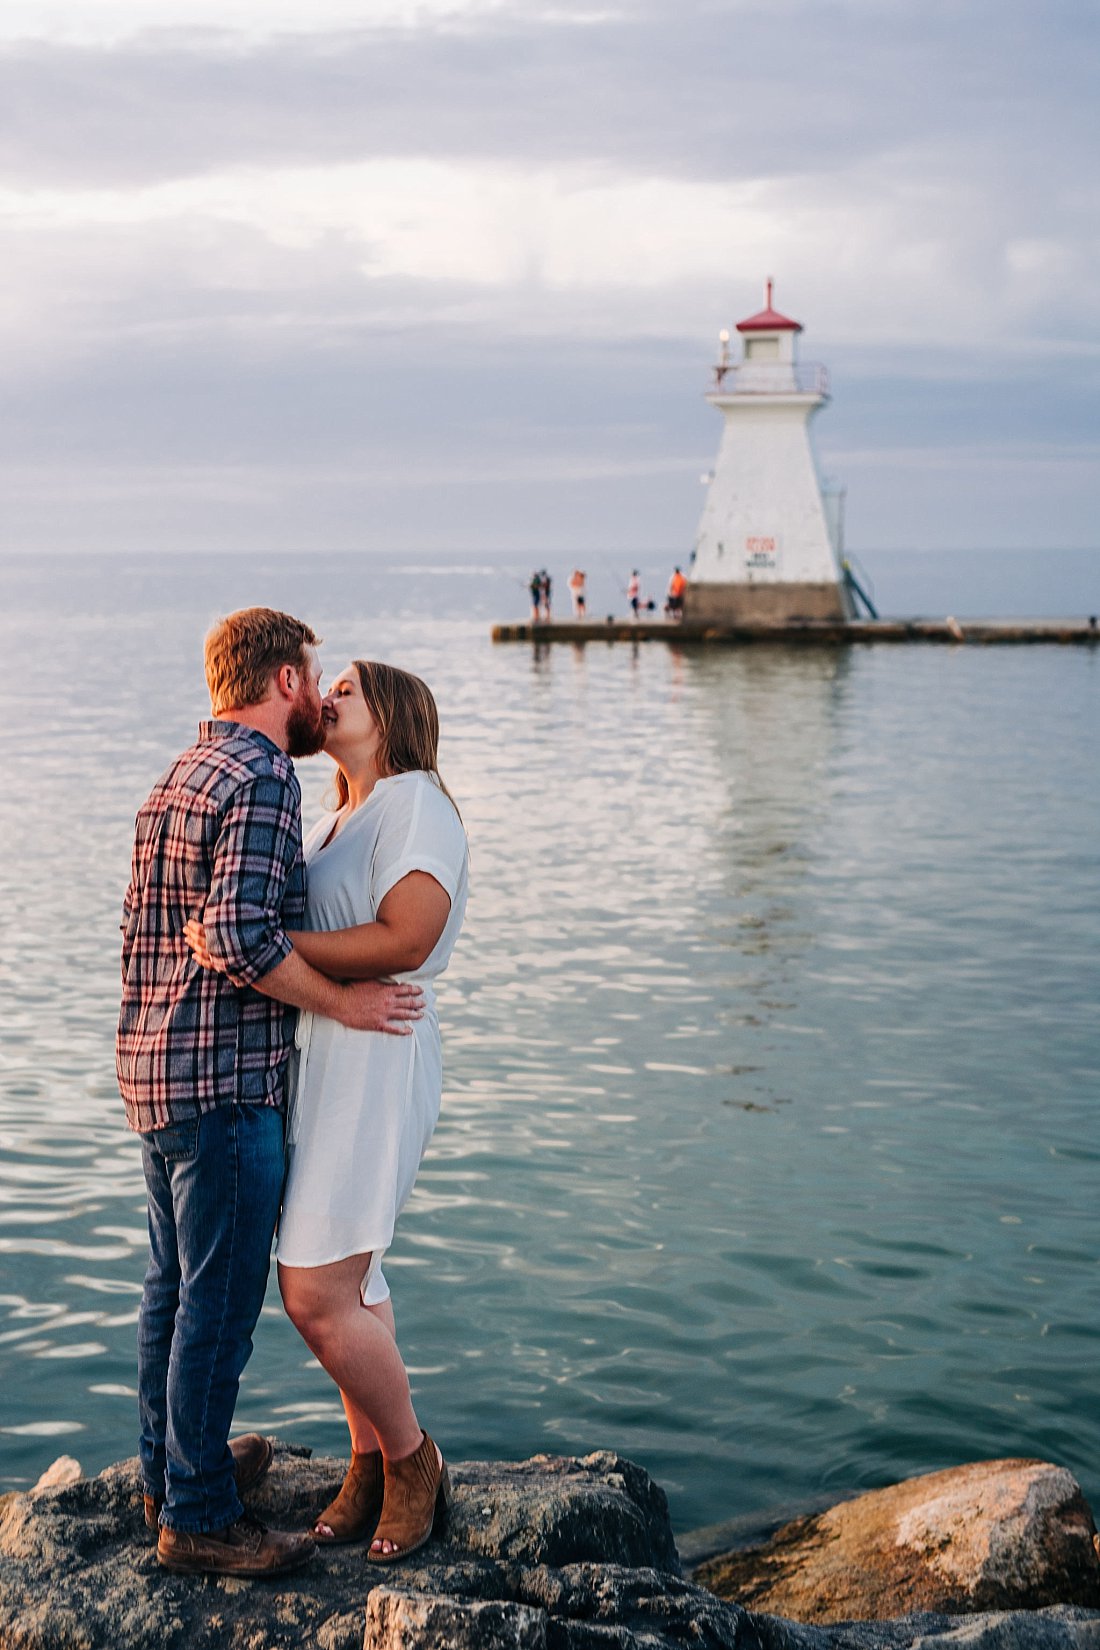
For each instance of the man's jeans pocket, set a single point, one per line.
(177, 1143)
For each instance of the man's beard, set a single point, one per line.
(305, 730)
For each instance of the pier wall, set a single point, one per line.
(770, 603)
(807, 632)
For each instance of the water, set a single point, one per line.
(769, 1147)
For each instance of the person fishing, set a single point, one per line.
(634, 593)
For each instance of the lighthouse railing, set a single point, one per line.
(758, 378)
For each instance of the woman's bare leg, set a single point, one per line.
(363, 1436)
(357, 1346)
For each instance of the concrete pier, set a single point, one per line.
(809, 632)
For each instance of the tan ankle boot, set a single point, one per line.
(353, 1513)
(418, 1495)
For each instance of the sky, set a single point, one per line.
(420, 276)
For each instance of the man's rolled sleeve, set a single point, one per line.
(255, 850)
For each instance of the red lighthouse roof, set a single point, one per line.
(769, 319)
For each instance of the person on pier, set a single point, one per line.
(674, 600)
(634, 593)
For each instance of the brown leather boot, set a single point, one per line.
(246, 1548)
(252, 1456)
(353, 1513)
(418, 1495)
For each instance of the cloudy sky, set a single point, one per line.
(415, 275)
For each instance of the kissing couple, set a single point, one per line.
(278, 1054)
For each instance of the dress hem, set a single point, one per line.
(345, 1254)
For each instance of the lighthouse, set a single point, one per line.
(768, 548)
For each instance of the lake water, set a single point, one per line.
(770, 1143)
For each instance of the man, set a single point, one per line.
(674, 600)
(202, 1059)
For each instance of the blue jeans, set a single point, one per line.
(214, 1184)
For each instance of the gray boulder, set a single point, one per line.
(548, 1554)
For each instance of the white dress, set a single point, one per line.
(364, 1103)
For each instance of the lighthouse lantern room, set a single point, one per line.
(767, 549)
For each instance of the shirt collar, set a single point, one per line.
(216, 727)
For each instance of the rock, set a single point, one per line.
(64, 1471)
(548, 1554)
(994, 1535)
(399, 1620)
(78, 1569)
(554, 1510)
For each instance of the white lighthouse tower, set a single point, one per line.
(768, 550)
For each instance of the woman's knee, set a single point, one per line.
(315, 1301)
(308, 1308)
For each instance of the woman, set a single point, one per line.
(387, 874)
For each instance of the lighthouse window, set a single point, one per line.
(762, 349)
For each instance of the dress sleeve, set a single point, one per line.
(420, 831)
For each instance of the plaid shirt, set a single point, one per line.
(219, 838)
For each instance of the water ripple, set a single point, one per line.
(767, 1153)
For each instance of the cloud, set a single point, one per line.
(893, 253)
(877, 157)
(717, 91)
(112, 22)
(493, 243)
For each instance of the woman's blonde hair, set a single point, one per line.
(408, 721)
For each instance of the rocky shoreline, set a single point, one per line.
(548, 1554)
